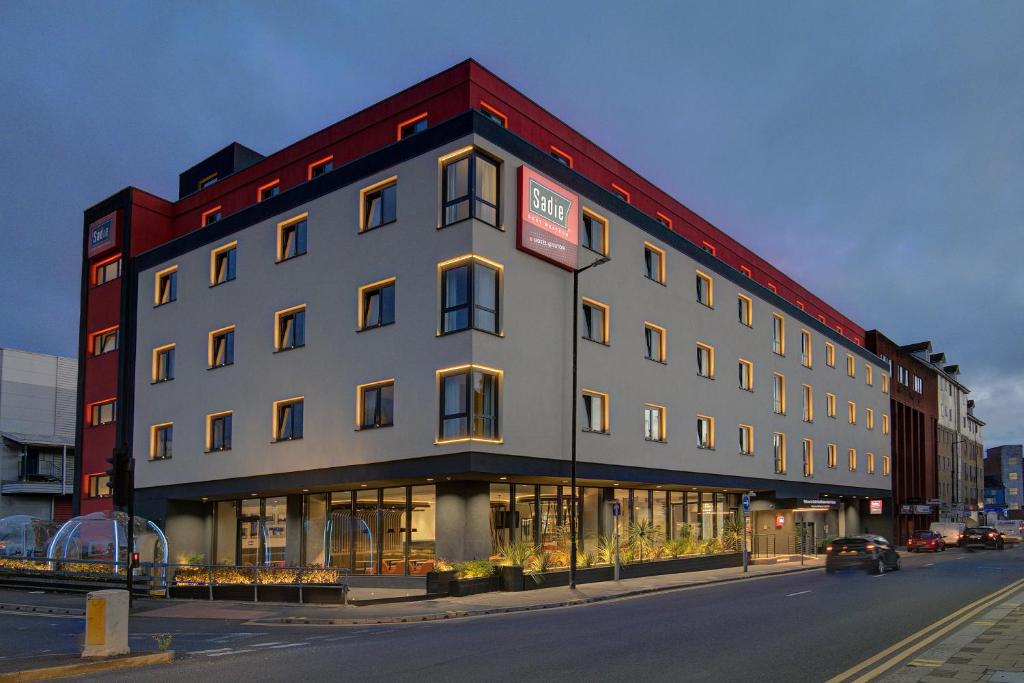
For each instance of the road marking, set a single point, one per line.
(925, 662)
(794, 594)
(1011, 605)
(930, 564)
(278, 647)
(216, 649)
(229, 652)
(943, 626)
(273, 642)
(984, 623)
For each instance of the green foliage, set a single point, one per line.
(163, 641)
(643, 539)
(516, 553)
(677, 546)
(606, 549)
(732, 534)
(589, 558)
(474, 569)
(541, 562)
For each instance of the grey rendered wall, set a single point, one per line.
(34, 396)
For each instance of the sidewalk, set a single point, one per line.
(451, 607)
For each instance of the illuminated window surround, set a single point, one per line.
(100, 266)
(360, 299)
(360, 391)
(779, 393)
(662, 435)
(209, 432)
(210, 216)
(710, 248)
(155, 376)
(662, 349)
(831, 456)
(558, 153)
(870, 457)
(496, 112)
(154, 432)
(325, 161)
(158, 279)
(851, 412)
(93, 414)
(473, 197)
(806, 350)
(869, 418)
(745, 314)
(808, 395)
(605, 411)
(458, 261)
(886, 466)
(710, 353)
(709, 289)
(214, 253)
(276, 182)
(279, 251)
(851, 456)
(779, 452)
(95, 337)
(746, 374)
(276, 416)
(206, 181)
(594, 216)
(885, 383)
(277, 328)
(408, 122)
(622, 192)
(661, 262)
(393, 180)
(869, 376)
(778, 334)
(830, 354)
(830, 405)
(665, 220)
(499, 375)
(747, 271)
(851, 366)
(211, 336)
(885, 424)
(808, 448)
(746, 439)
(708, 422)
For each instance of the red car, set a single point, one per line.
(925, 540)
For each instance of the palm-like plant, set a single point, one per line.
(643, 537)
(732, 533)
(606, 549)
(516, 553)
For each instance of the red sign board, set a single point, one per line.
(103, 234)
(548, 219)
(780, 521)
(875, 506)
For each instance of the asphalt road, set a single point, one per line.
(799, 627)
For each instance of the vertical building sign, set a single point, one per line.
(548, 219)
(103, 234)
(875, 506)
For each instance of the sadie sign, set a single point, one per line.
(102, 234)
(548, 219)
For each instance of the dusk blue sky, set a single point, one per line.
(872, 150)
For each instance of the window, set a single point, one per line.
(595, 412)
(869, 375)
(417, 124)
(594, 232)
(885, 424)
(291, 238)
(779, 451)
(105, 271)
(470, 189)
(469, 403)
(708, 247)
(290, 328)
(747, 271)
(808, 457)
(654, 342)
(163, 363)
(772, 288)
(206, 181)
(885, 465)
(871, 463)
(869, 418)
(831, 453)
(830, 354)
(271, 189)
(852, 459)
(378, 204)
(903, 377)
(561, 156)
(808, 394)
(745, 310)
(210, 216)
(288, 419)
(851, 412)
(779, 394)
(470, 295)
(918, 385)
(102, 413)
(746, 369)
(595, 321)
(705, 361)
(805, 348)
(705, 432)
(885, 383)
(104, 341)
(621, 193)
(218, 431)
(222, 264)
(320, 167)
(830, 405)
(99, 486)
(705, 290)
(161, 440)
(654, 263)
(1012, 476)
(778, 334)
(663, 219)
(654, 422)
(851, 366)
(746, 440)
(222, 347)
(375, 404)
(166, 286)
(494, 114)
(377, 304)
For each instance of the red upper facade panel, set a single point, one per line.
(460, 88)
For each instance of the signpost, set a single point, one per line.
(746, 516)
(616, 515)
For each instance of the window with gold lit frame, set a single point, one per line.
(832, 458)
(291, 237)
(705, 360)
(596, 412)
(163, 364)
(594, 232)
(830, 354)
(705, 432)
(161, 441)
(705, 289)
(745, 310)
(746, 439)
(655, 343)
(654, 422)
(378, 204)
(375, 404)
(218, 431)
(746, 370)
(654, 263)
(469, 400)
(808, 452)
(223, 263)
(288, 419)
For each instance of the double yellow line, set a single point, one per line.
(932, 631)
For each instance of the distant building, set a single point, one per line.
(1004, 466)
(37, 434)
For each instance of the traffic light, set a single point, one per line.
(120, 474)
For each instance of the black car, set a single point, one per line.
(869, 552)
(981, 537)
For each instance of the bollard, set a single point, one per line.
(106, 624)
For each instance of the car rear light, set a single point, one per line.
(991, 534)
(870, 546)
(828, 549)
(960, 535)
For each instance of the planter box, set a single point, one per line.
(190, 592)
(237, 592)
(323, 595)
(272, 593)
(510, 578)
(438, 583)
(463, 587)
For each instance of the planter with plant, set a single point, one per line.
(514, 557)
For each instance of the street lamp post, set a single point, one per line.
(574, 427)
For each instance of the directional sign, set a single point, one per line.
(746, 502)
(616, 508)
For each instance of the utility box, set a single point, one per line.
(106, 624)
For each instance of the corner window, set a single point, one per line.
(830, 354)
(746, 434)
(290, 328)
(745, 310)
(377, 304)
(595, 321)
(291, 238)
(166, 286)
(654, 422)
(705, 432)
(470, 295)
(808, 394)
(271, 189)
(102, 413)
(830, 451)
(654, 342)
(104, 341)
(222, 264)
(218, 431)
(654, 263)
(417, 124)
(705, 290)
(705, 361)
(594, 232)
(469, 403)
(375, 405)
(470, 189)
(779, 452)
(163, 363)
(222, 347)
(779, 394)
(778, 334)
(288, 419)
(105, 271)
(595, 412)
(805, 348)
(379, 204)
(746, 369)
(808, 458)
(320, 167)
(161, 441)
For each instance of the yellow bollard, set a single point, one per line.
(106, 624)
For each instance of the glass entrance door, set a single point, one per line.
(249, 540)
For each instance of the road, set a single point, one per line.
(797, 627)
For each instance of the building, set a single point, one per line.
(914, 409)
(358, 350)
(961, 469)
(1004, 466)
(37, 421)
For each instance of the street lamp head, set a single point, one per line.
(592, 264)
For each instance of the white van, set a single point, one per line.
(1011, 529)
(950, 531)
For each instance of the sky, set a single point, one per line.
(873, 150)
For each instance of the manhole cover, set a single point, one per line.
(1008, 677)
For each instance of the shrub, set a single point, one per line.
(474, 569)
(589, 558)
(516, 553)
(677, 546)
(643, 539)
(442, 565)
(541, 562)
